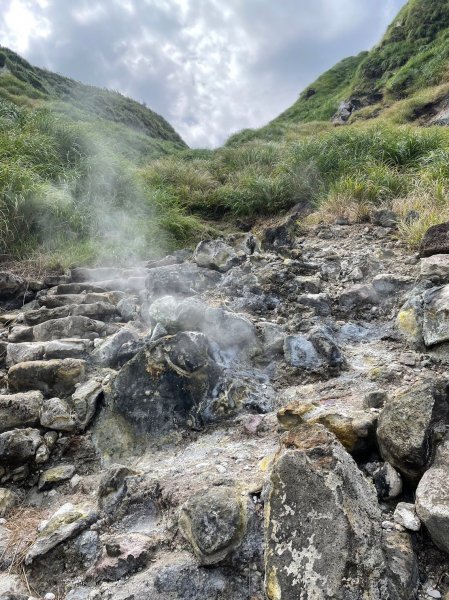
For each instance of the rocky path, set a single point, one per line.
(255, 419)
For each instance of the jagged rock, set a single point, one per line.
(19, 446)
(87, 547)
(318, 304)
(20, 410)
(50, 377)
(167, 385)
(84, 402)
(55, 476)
(124, 555)
(314, 352)
(11, 286)
(436, 315)
(65, 523)
(409, 321)
(358, 297)
(384, 217)
(301, 353)
(214, 523)
(375, 399)
(72, 327)
(435, 241)
(106, 354)
(217, 255)
(113, 486)
(127, 309)
(355, 429)
(405, 515)
(388, 482)
(403, 573)
(322, 535)
(435, 268)
(98, 311)
(29, 351)
(56, 414)
(8, 500)
(180, 280)
(388, 285)
(409, 425)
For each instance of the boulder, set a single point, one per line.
(314, 352)
(167, 385)
(65, 523)
(217, 255)
(19, 446)
(232, 333)
(358, 297)
(29, 351)
(324, 535)
(435, 268)
(409, 321)
(214, 523)
(436, 315)
(11, 285)
(56, 415)
(50, 377)
(20, 410)
(12, 587)
(435, 240)
(410, 424)
(99, 311)
(388, 285)
(106, 355)
(84, 402)
(402, 564)
(8, 500)
(55, 476)
(180, 280)
(405, 515)
(69, 327)
(124, 555)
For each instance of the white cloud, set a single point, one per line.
(22, 23)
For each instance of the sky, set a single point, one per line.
(210, 67)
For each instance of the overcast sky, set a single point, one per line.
(211, 67)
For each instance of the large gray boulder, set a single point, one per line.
(214, 523)
(410, 424)
(20, 410)
(316, 351)
(180, 280)
(435, 268)
(106, 355)
(72, 327)
(323, 524)
(52, 377)
(29, 351)
(19, 446)
(435, 241)
(217, 255)
(436, 315)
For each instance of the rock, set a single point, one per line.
(113, 486)
(158, 332)
(131, 553)
(20, 410)
(11, 286)
(358, 297)
(317, 304)
(214, 523)
(80, 593)
(97, 274)
(19, 446)
(410, 424)
(217, 255)
(8, 500)
(435, 268)
(88, 546)
(388, 285)
(56, 414)
(55, 476)
(384, 217)
(50, 377)
(435, 240)
(375, 399)
(315, 351)
(180, 280)
(12, 587)
(233, 333)
(72, 327)
(29, 351)
(405, 515)
(402, 564)
(167, 385)
(409, 321)
(353, 428)
(98, 311)
(84, 402)
(327, 347)
(307, 284)
(327, 527)
(65, 523)
(106, 355)
(436, 315)
(164, 311)
(127, 309)
(388, 482)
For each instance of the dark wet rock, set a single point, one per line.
(20, 410)
(388, 482)
(324, 529)
(49, 377)
(214, 523)
(409, 426)
(217, 255)
(19, 446)
(435, 241)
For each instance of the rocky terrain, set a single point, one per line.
(264, 417)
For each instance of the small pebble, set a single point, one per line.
(433, 593)
(49, 596)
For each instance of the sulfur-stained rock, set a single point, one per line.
(8, 500)
(20, 410)
(436, 315)
(50, 377)
(410, 424)
(65, 523)
(323, 531)
(409, 321)
(56, 414)
(19, 446)
(55, 475)
(214, 523)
